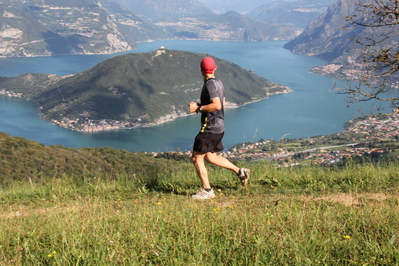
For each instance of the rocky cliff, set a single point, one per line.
(51, 29)
(325, 37)
(332, 38)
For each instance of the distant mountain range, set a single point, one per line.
(153, 10)
(134, 90)
(296, 14)
(59, 27)
(240, 6)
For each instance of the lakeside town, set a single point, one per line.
(10, 93)
(329, 149)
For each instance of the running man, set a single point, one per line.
(209, 140)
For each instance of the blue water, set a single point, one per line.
(311, 109)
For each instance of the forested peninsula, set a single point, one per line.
(133, 90)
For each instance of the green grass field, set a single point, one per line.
(287, 216)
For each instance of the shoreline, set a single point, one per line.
(93, 126)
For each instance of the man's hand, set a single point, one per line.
(192, 107)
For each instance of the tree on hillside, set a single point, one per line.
(380, 53)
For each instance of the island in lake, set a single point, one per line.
(133, 90)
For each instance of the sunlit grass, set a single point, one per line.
(289, 216)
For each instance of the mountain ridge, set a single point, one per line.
(40, 28)
(55, 27)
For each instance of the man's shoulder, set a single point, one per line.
(214, 81)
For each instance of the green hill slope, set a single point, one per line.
(21, 159)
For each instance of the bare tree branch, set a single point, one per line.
(380, 56)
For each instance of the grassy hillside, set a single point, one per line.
(112, 207)
(22, 160)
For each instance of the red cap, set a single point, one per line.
(208, 65)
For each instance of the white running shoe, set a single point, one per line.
(203, 194)
(243, 175)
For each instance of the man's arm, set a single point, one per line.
(215, 105)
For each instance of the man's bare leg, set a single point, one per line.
(242, 173)
(221, 161)
(198, 160)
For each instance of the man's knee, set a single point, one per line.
(197, 157)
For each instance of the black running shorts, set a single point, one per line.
(208, 142)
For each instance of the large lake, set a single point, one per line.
(311, 109)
